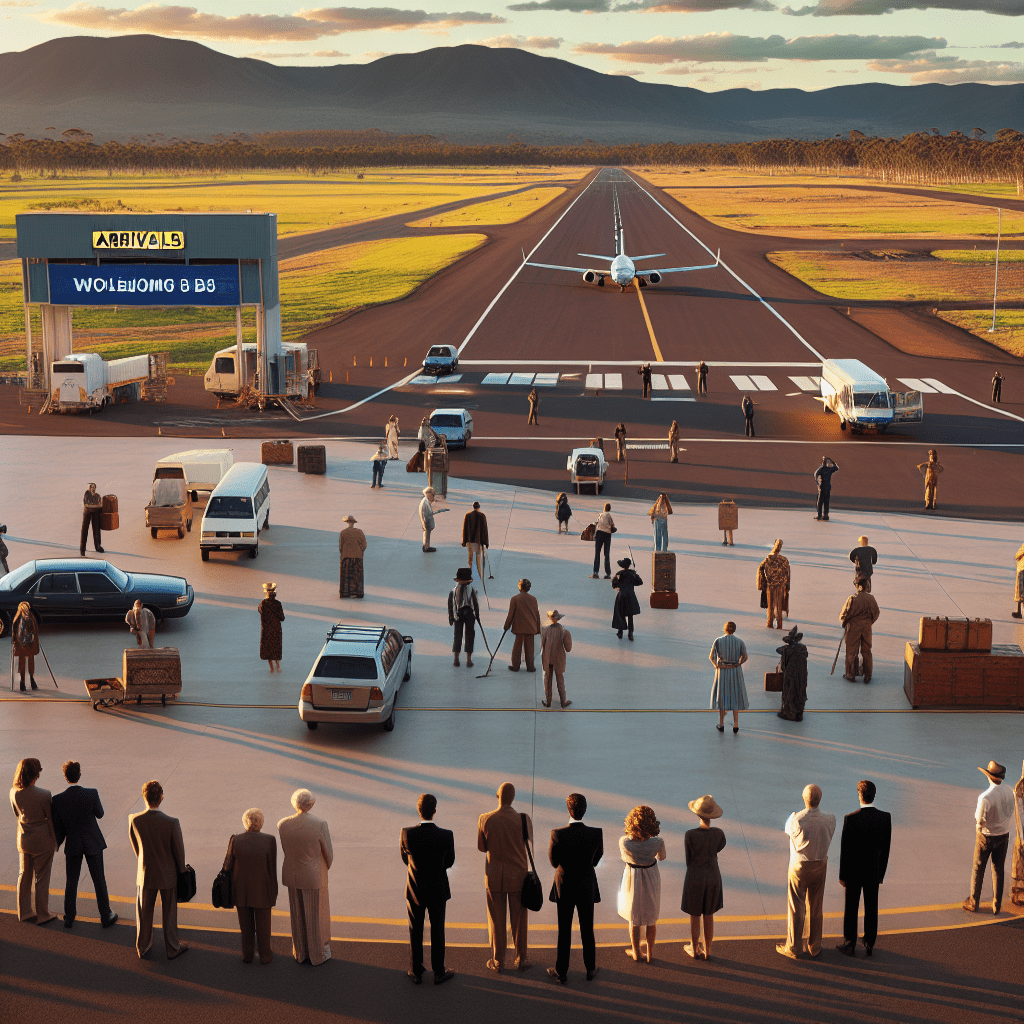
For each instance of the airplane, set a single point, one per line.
(622, 268)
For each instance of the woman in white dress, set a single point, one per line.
(639, 900)
(391, 434)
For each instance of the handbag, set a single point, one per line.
(764, 598)
(221, 896)
(532, 895)
(588, 532)
(773, 682)
(186, 884)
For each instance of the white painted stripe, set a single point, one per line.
(991, 408)
(678, 382)
(453, 378)
(613, 381)
(804, 383)
(917, 385)
(495, 378)
(676, 398)
(423, 379)
(595, 381)
(743, 383)
(939, 386)
(659, 382)
(763, 383)
(546, 380)
(521, 379)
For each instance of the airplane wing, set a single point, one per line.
(649, 256)
(681, 270)
(607, 259)
(574, 270)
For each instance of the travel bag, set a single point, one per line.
(532, 895)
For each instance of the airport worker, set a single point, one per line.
(864, 558)
(37, 842)
(534, 399)
(4, 552)
(859, 614)
(673, 442)
(75, 814)
(793, 666)
(702, 378)
(774, 577)
(1018, 589)
(555, 643)
(380, 460)
(351, 548)
(997, 387)
(645, 376)
(463, 614)
(427, 516)
(930, 470)
(994, 817)
(92, 508)
(524, 620)
(429, 852)
(142, 622)
(474, 537)
(823, 478)
(271, 634)
(391, 432)
(748, 416)
(620, 442)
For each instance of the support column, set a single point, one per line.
(57, 339)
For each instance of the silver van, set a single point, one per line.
(238, 509)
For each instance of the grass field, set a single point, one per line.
(302, 203)
(314, 290)
(493, 211)
(871, 277)
(1009, 332)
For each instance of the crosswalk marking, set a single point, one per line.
(807, 383)
(521, 379)
(604, 382)
(425, 379)
(939, 386)
(496, 378)
(659, 382)
(763, 383)
(678, 382)
(595, 381)
(546, 380)
(917, 385)
(743, 383)
(613, 381)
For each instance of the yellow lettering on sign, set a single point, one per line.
(174, 240)
(138, 240)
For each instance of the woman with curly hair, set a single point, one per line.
(639, 900)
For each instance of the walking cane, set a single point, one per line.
(47, 660)
(487, 559)
(838, 649)
(12, 663)
(483, 634)
(493, 656)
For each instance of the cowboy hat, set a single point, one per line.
(270, 587)
(995, 771)
(705, 807)
(624, 562)
(350, 519)
(464, 575)
(554, 615)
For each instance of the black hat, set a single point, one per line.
(624, 562)
(464, 575)
(793, 637)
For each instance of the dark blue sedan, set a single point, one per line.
(85, 589)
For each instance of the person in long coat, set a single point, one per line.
(626, 606)
(252, 861)
(555, 643)
(620, 442)
(773, 579)
(563, 513)
(729, 692)
(271, 617)
(37, 842)
(391, 433)
(25, 639)
(673, 442)
(793, 666)
(308, 855)
(639, 900)
(1018, 589)
(702, 887)
(351, 545)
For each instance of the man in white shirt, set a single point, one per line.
(993, 818)
(810, 833)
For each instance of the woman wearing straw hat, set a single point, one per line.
(702, 887)
(729, 692)
(639, 900)
(351, 545)
(271, 617)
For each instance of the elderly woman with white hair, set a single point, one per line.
(308, 855)
(252, 862)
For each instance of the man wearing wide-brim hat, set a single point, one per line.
(351, 545)
(555, 643)
(463, 614)
(993, 819)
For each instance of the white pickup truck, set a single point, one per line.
(861, 398)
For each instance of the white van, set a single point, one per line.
(238, 509)
(861, 398)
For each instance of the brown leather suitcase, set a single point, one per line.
(728, 515)
(277, 453)
(109, 503)
(955, 634)
(663, 571)
(979, 634)
(313, 459)
(667, 599)
(152, 672)
(932, 634)
(109, 521)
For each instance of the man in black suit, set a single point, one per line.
(430, 852)
(863, 858)
(74, 821)
(574, 852)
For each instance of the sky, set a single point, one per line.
(705, 44)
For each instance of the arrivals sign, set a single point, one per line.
(138, 239)
(133, 284)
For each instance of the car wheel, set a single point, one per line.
(389, 724)
(152, 532)
(206, 554)
(158, 617)
(181, 533)
(842, 424)
(600, 488)
(312, 725)
(253, 552)
(266, 522)
(408, 671)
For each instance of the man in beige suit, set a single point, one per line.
(500, 835)
(156, 840)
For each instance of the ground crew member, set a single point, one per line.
(534, 400)
(931, 470)
(748, 415)
(474, 537)
(463, 614)
(620, 442)
(702, 378)
(997, 387)
(823, 478)
(864, 558)
(673, 442)
(141, 622)
(858, 615)
(92, 509)
(645, 376)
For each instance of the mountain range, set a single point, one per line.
(142, 84)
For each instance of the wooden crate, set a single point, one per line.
(728, 515)
(277, 453)
(975, 679)
(313, 459)
(663, 572)
(151, 672)
(955, 634)
(664, 599)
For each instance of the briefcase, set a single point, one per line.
(186, 884)
(221, 895)
(773, 682)
(532, 895)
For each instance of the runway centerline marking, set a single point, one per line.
(650, 329)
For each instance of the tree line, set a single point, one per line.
(924, 157)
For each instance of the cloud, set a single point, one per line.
(303, 26)
(643, 6)
(17, 3)
(930, 67)
(329, 54)
(264, 55)
(523, 42)
(574, 6)
(827, 8)
(624, 73)
(725, 46)
(1010, 46)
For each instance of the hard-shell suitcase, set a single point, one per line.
(109, 503)
(313, 459)
(955, 634)
(109, 521)
(932, 634)
(277, 453)
(728, 515)
(663, 571)
(668, 599)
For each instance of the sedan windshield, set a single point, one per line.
(16, 577)
(438, 351)
(446, 421)
(342, 666)
(120, 578)
(224, 507)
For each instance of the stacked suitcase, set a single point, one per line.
(108, 513)
(277, 453)
(663, 577)
(313, 459)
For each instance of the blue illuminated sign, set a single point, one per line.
(134, 284)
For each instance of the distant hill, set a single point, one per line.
(137, 85)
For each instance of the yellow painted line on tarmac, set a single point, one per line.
(650, 329)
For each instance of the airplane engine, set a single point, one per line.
(590, 277)
(654, 278)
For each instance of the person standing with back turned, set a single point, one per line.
(993, 818)
(823, 478)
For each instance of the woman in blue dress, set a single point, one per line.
(729, 692)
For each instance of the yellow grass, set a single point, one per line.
(986, 255)
(1009, 332)
(494, 211)
(302, 203)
